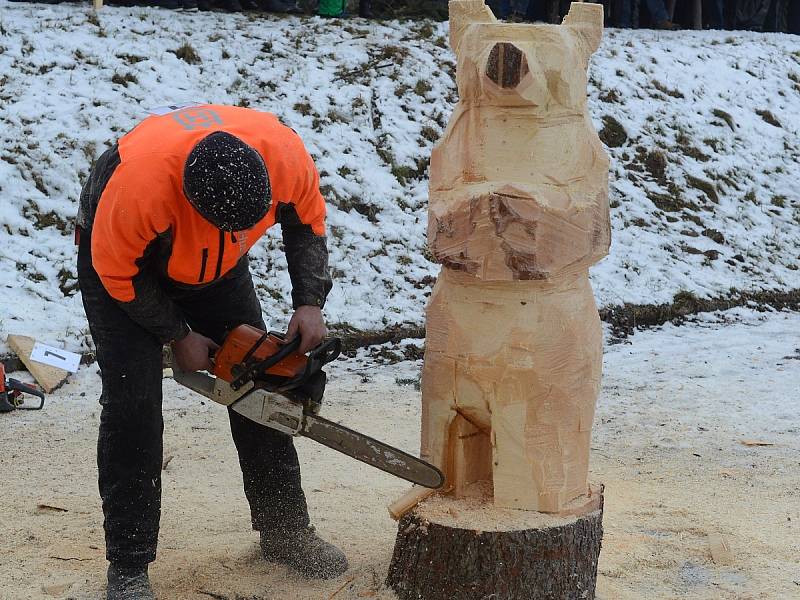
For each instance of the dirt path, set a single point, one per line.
(667, 445)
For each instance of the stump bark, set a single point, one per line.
(469, 550)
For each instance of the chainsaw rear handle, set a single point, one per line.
(310, 384)
(326, 352)
(13, 385)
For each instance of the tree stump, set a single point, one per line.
(468, 549)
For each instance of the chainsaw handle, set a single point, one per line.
(14, 385)
(319, 357)
(326, 352)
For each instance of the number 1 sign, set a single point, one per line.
(55, 357)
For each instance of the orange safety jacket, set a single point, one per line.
(144, 231)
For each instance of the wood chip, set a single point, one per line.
(410, 499)
(43, 509)
(341, 587)
(409, 529)
(71, 551)
(720, 549)
(756, 443)
(214, 595)
(57, 589)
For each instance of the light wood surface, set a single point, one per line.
(518, 212)
(50, 378)
(720, 549)
(409, 500)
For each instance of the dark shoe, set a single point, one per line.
(281, 6)
(365, 9)
(128, 583)
(305, 552)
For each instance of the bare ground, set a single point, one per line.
(668, 446)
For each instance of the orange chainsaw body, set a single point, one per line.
(248, 344)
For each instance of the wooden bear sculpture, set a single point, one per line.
(518, 213)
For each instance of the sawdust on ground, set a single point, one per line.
(476, 512)
(661, 506)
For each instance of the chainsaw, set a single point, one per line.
(261, 376)
(11, 392)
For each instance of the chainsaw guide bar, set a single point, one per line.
(373, 452)
(290, 404)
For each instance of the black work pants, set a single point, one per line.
(129, 445)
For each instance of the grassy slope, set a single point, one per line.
(702, 128)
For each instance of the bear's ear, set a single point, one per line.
(586, 21)
(464, 13)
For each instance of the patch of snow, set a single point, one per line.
(369, 99)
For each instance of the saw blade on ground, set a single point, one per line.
(371, 451)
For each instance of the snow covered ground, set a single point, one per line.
(704, 129)
(673, 441)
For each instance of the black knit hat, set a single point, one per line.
(227, 182)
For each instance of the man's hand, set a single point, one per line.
(307, 321)
(193, 353)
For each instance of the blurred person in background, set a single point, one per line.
(714, 14)
(750, 14)
(548, 11)
(657, 10)
(501, 8)
(338, 8)
(778, 15)
(794, 18)
(277, 6)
